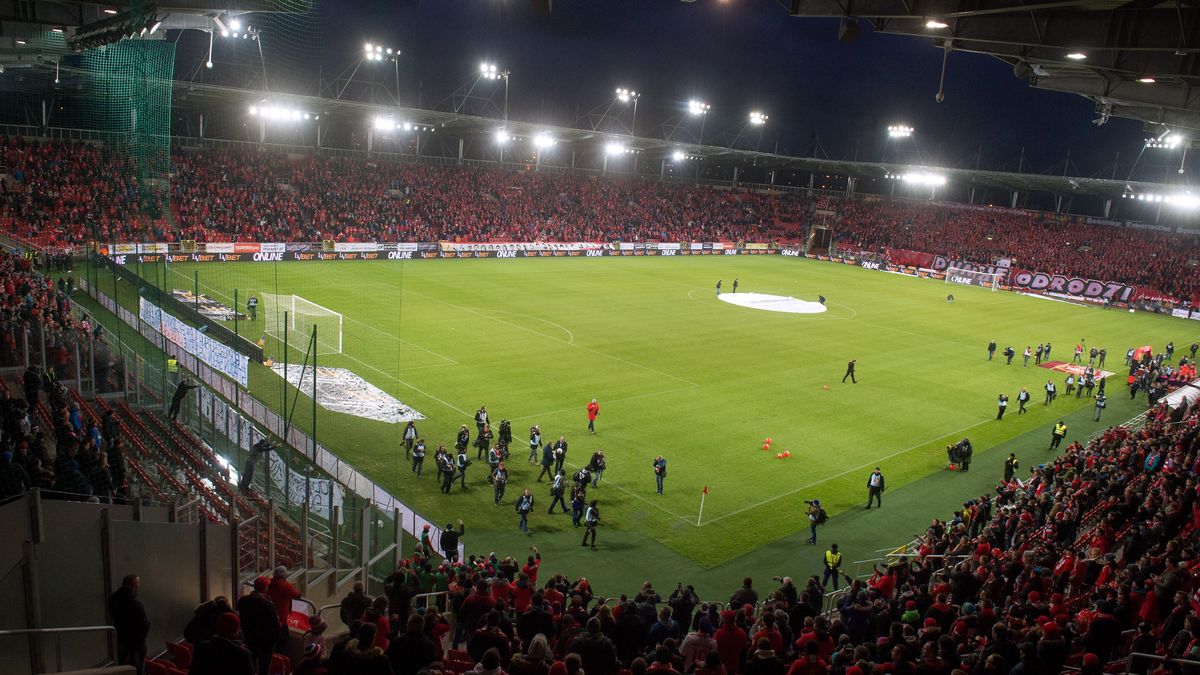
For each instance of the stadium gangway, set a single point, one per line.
(35, 643)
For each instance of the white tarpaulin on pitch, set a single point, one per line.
(342, 391)
(773, 303)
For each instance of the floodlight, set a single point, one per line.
(155, 27)
(626, 95)
(279, 113)
(936, 24)
(543, 141)
(757, 118)
(678, 155)
(1146, 80)
(235, 26)
(109, 10)
(614, 148)
(1077, 56)
(924, 178)
(900, 131)
(697, 107)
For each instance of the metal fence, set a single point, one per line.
(231, 420)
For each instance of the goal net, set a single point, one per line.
(957, 275)
(297, 316)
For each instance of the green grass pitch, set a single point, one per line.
(700, 381)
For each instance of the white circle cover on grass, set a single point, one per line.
(773, 303)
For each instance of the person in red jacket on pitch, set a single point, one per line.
(593, 409)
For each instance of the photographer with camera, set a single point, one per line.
(445, 464)
(462, 464)
(418, 456)
(524, 506)
(505, 434)
(816, 516)
(535, 443)
(410, 438)
(660, 472)
(499, 481)
(596, 466)
(591, 520)
(558, 490)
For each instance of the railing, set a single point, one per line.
(253, 409)
(34, 635)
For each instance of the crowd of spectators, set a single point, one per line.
(1035, 241)
(57, 190)
(88, 459)
(1083, 562)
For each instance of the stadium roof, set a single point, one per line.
(201, 97)
(1133, 58)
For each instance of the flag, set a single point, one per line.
(705, 489)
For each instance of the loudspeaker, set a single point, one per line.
(848, 29)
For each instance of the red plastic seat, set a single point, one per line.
(459, 661)
(280, 665)
(181, 654)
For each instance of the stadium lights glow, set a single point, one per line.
(935, 24)
(279, 113)
(502, 136)
(388, 124)
(614, 148)
(757, 118)
(490, 71)
(109, 10)
(1168, 141)
(1185, 200)
(678, 156)
(698, 107)
(626, 95)
(374, 52)
(56, 29)
(900, 131)
(1077, 56)
(543, 141)
(923, 178)
(1146, 80)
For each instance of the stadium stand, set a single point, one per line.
(1081, 565)
(53, 194)
(1087, 561)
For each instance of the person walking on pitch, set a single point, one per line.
(1010, 466)
(1022, 399)
(991, 349)
(1002, 402)
(875, 488)
(593, 410)
(718, 287)
(850, 372)
(1056, 436)
(660, 472)
(591, 519)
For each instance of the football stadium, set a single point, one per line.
(353, 338)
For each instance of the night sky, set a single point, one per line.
(736, 55)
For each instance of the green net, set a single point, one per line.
(125, 90)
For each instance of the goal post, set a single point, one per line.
(297, 316)
(305, 314)
(958, 275)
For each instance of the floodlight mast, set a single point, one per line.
(625, 96)
(490, 71)
(699, 108)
